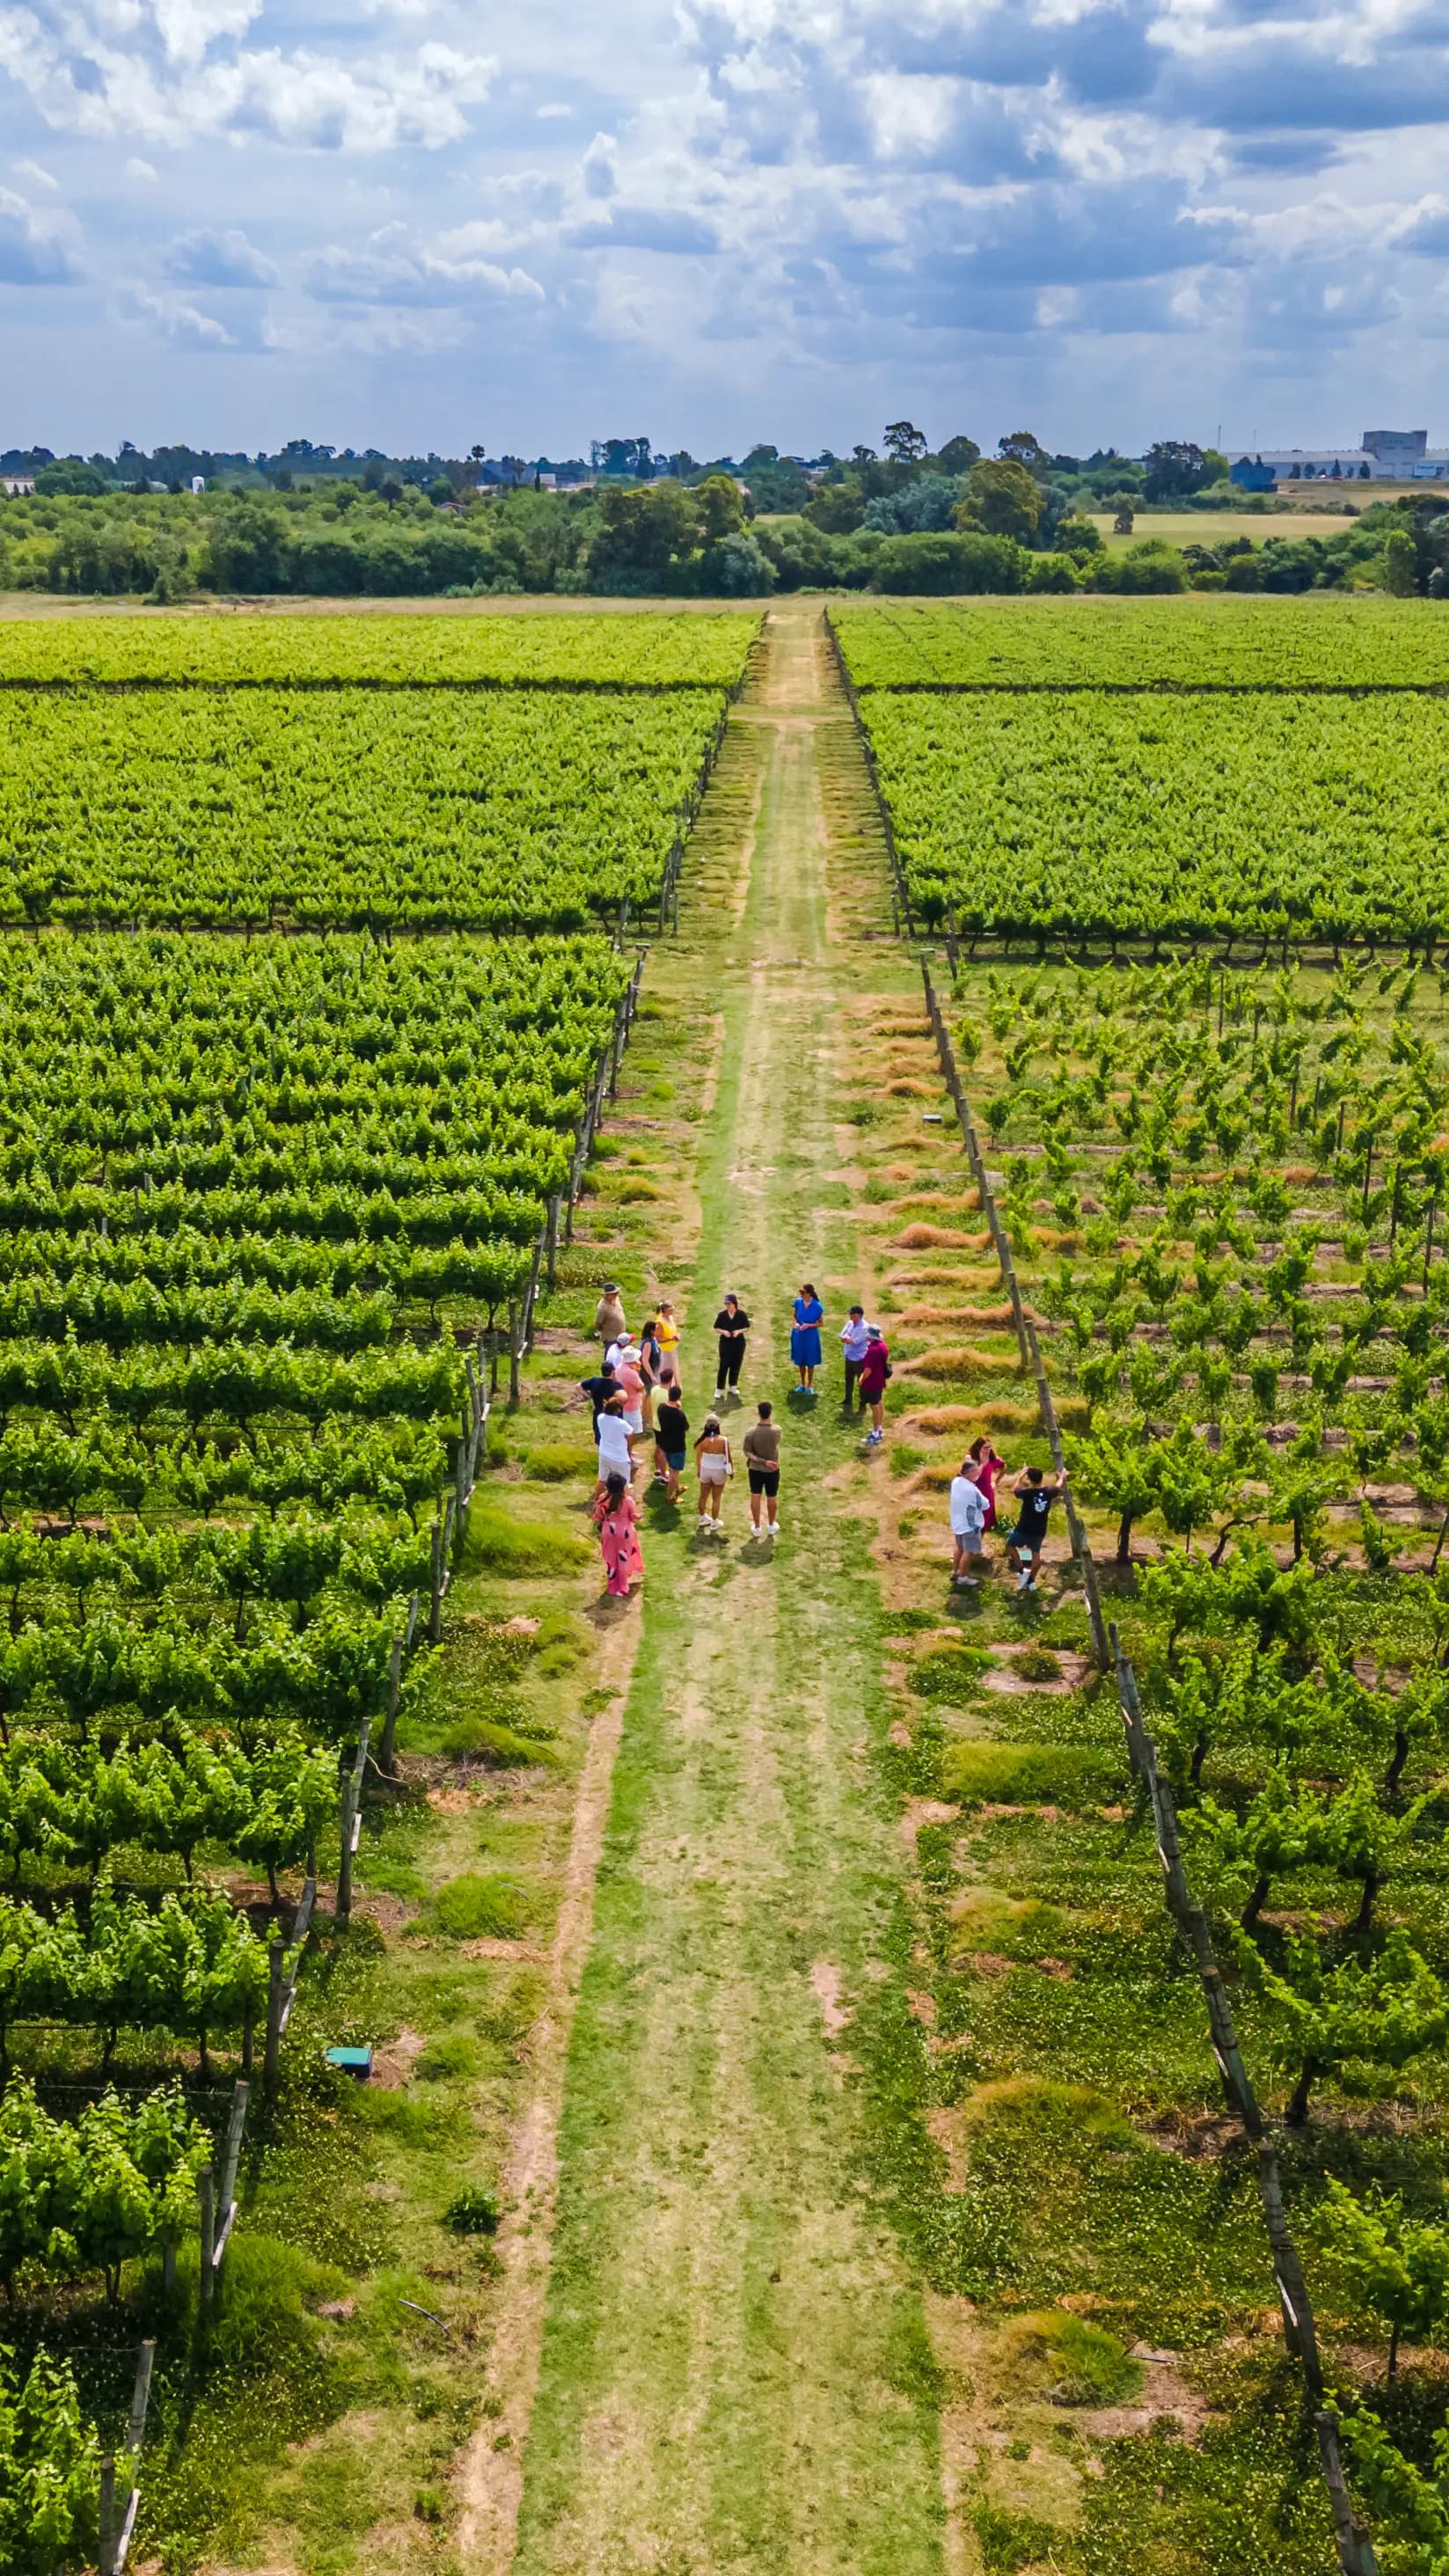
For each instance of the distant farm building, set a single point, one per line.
(1382, 456)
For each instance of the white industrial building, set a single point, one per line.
(1381, 456)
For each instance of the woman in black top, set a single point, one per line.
(731, 1324)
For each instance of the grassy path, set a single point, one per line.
(735, 2370)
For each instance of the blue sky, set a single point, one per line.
(409, 224)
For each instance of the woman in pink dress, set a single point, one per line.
(618, 1516)
(988, 1468)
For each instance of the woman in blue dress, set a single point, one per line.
(805, 1337)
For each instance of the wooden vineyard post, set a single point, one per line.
(515, 1386)
(385, 1754)
(1355, 2550)
(1299, 2331)
(108, 2533)
(232, 2157)
(550, 1241)
(206, 2195)
(276, 1970)
(348, 1821)
(117, 2519)
(530, 1302)
(435, 1612)
(351, 1823)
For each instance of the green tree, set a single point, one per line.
(1023, 447)
(1414, 2508)
(957, 456)
(1281, 1829)
(837, 508)
(645, 532)
(1361, 2022)
(721, 511)
(1077, 536)
(1388, 2261)
(50, 2468)
(1002, 498)
(1117, 1472)
(1175, 466)
(904, 443)
(1398, 573)
(72, 480)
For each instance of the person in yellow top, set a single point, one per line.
(666, 1334)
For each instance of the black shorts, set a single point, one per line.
(765, 1480)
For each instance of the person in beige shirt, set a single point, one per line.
(609, 1316)
(762, 1459)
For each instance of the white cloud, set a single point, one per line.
(830, 206)
(173, 72)
(391, 271)
(170, 318)
(33, 248)
(218, 259)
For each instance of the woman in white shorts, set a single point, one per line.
(714, 1465)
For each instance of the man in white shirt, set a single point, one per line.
(616, 1458)
(854, 1341)
(968, 1519)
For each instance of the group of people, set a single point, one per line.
(637, 1397)
(867, 1356)
(973, 1515)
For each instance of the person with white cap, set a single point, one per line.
(968, 1521)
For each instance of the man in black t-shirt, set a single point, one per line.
(731, 1324)
(1025, 1541)
(598, 1389)
(671, 1431)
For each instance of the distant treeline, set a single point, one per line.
(949, 523)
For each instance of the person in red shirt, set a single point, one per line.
(988, 1468)
(875, 1368)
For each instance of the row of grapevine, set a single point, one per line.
(1206, 643)
(272, 1209)
(211, 1494)
(433, 809)
(1088, 816)
(632, 649)
(1224, 1196)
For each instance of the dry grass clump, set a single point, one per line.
(962, 1359)
(967, 1318)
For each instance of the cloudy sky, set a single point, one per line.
(411, 224)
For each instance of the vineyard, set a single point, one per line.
(1221, 1197)
(1241, 771)
(1215, 643)
(426, 809)
(993, 2043)
(578, 652)
(1132, 818)
(270, 1212)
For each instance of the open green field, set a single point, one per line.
(1216, 527)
